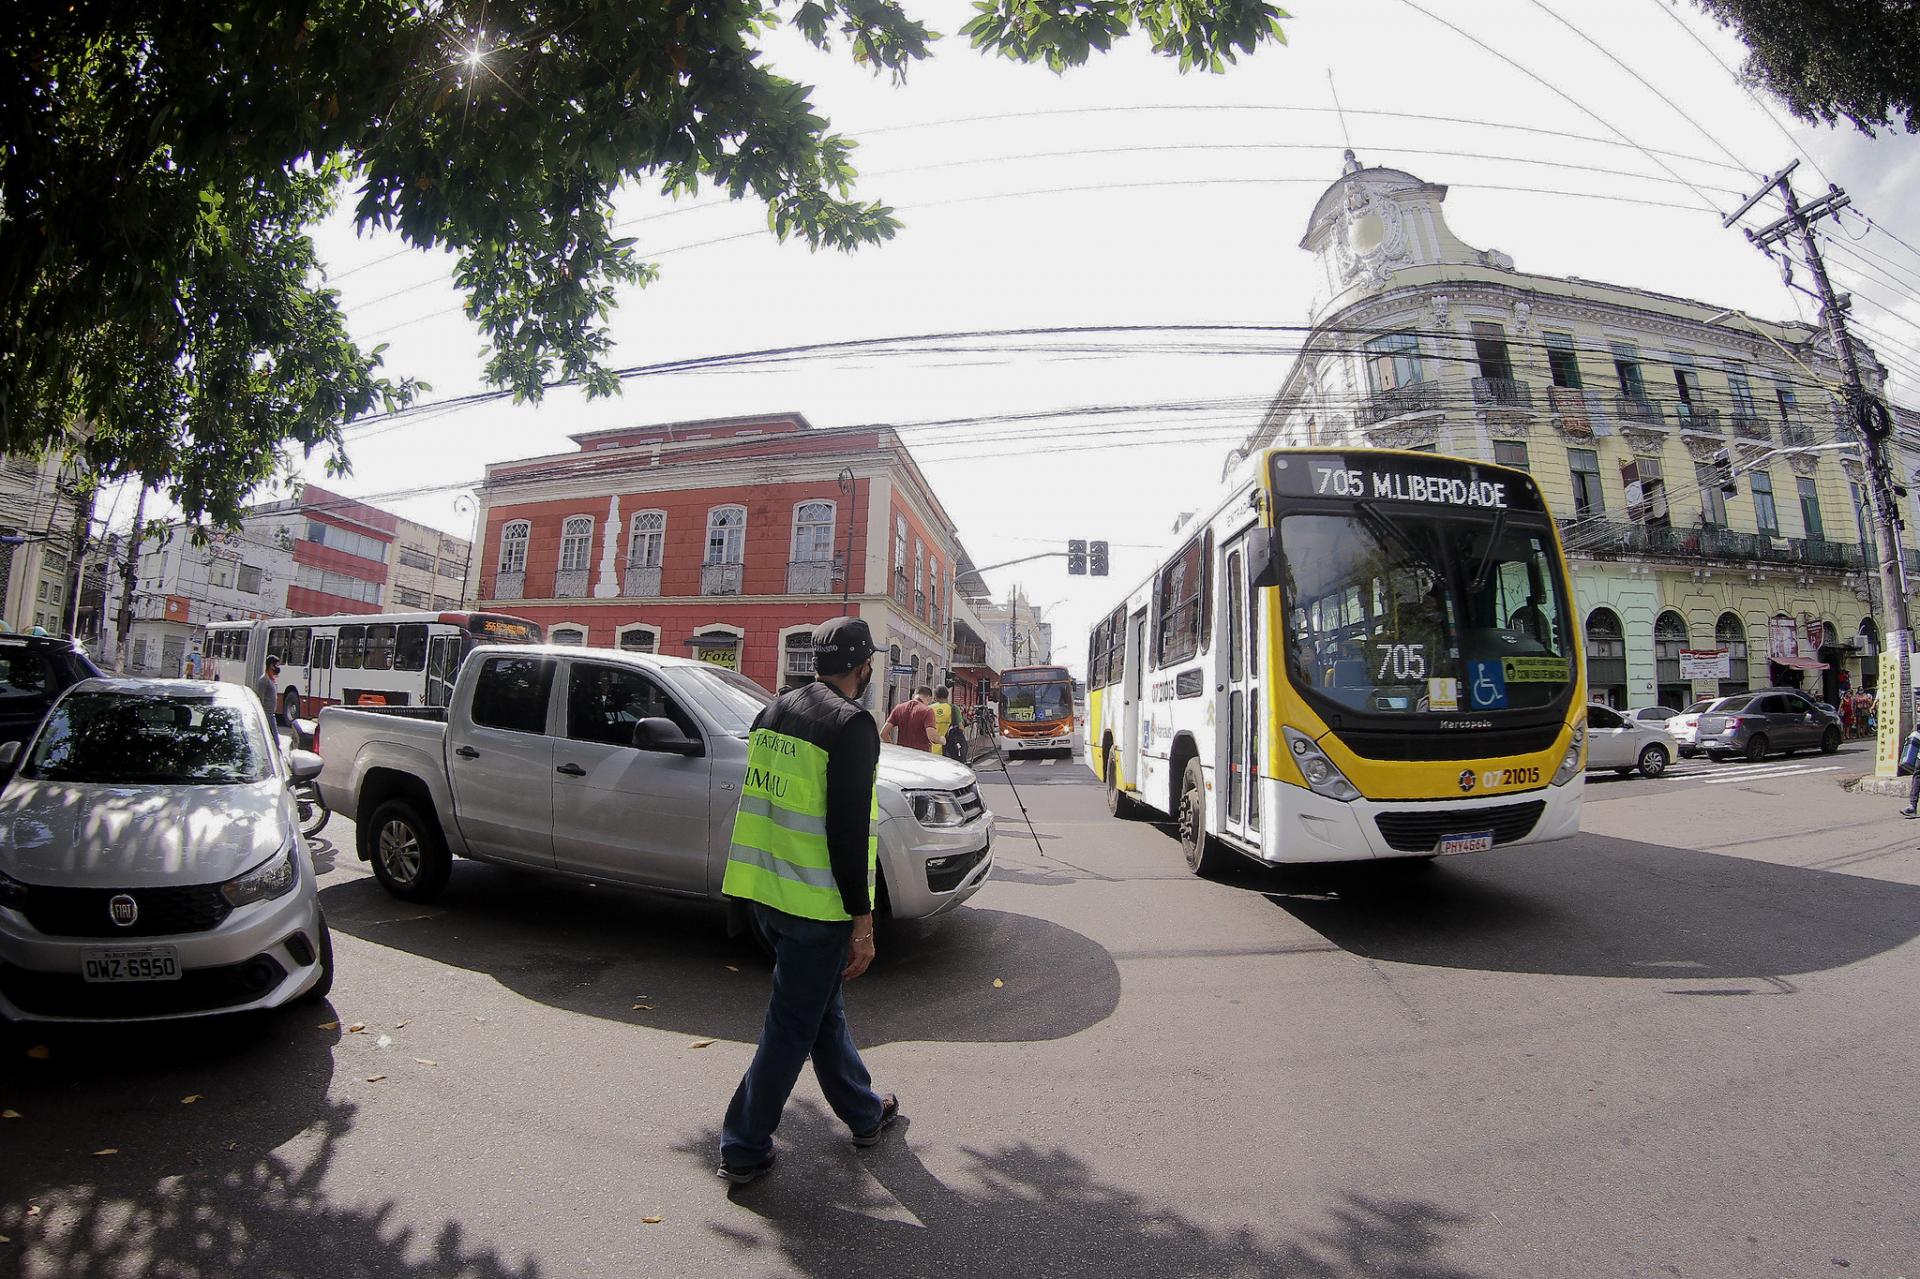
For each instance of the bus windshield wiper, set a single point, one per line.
(1370, 515)
(1493, 543)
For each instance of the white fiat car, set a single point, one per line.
(151, 864)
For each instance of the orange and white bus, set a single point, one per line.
(1036, 710)
(356, 659)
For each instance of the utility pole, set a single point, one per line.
(1869, 418)
(127, 572)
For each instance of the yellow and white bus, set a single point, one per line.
(1353, 654)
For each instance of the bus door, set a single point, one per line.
(443, 661)
(320, 673)
(1241, 714)
(1132, 687)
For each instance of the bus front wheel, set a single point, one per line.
(1204, 857)
(1119, 803)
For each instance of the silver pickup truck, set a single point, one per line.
(622, 768)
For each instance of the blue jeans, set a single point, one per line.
(805, 1017)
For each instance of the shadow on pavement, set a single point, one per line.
(598, 950)
(194, 1190)
(1600, 907)
(1039, 1211)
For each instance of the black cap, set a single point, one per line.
(840, 644)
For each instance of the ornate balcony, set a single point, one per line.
(510, 586)
(1748, 425)
(570, 583)
(643, 581)
(1694, 418)
(1502, 392)
(720, 579)
(810, 577)
(1639, 410)
(1597, 538)
(1417, 397)
(1572, 416)
(1795, 431)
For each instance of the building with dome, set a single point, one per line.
(1712, 499)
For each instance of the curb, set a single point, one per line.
(1891, 787)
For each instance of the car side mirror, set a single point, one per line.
(657, 733)
(304, 766)
(9, 756)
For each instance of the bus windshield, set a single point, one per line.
(1392, 611)
(1036, 703)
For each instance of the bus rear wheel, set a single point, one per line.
(1205, 857)
(1119, 803)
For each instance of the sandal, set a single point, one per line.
(889, 1111)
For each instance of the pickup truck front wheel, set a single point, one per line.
(409, 858)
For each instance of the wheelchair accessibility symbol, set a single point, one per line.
(1486, 686)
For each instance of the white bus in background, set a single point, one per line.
(357, 659)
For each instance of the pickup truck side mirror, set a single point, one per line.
(304, 766)
(657, 733)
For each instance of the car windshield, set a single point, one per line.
(1731, 705)
(1700, 705)
(730, 697)
(118, 738)
(1398, 612)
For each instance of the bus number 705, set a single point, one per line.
(1405, 661)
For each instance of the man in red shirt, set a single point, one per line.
(911, 724)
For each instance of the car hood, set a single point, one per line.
(917, 770)
(65, 834)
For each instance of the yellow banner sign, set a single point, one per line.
(1535, 670)
(727, 657)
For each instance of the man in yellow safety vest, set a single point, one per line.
(803, 859)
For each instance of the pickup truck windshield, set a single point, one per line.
(731, 698)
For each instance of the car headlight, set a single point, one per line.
(13, 893)
(1323, 775)
(1573, 762)
(936, 808)
(272, 878)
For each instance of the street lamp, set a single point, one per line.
(466, 500)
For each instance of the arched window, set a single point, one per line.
(726, 535)
(576, 545)
(567, 635)
(796, 663)
(638, 638)
(813, 532)
(513, 546)
(647, 539)
(1671, 688)
(1606, 658)
(1730, 633)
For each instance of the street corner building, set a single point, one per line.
(1709, 486)
(729, 540)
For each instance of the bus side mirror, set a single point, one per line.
(1262, 563)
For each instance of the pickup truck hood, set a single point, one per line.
(65, 834)
(917, 770)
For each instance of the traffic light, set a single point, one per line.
(1077, 557)
(1097, 558)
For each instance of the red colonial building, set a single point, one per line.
(728, 540)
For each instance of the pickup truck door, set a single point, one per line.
(630, 815)
(500, 761)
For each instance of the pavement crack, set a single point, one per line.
(1406, 1005)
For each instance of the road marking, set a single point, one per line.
(1789, 772)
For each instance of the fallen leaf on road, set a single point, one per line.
(5, 1239)
(9, 1114)
(39, 1052)
(701, 1043)
(33, 1210)
(652, 1221)
(639, 1007)
(328, 1025)
(643, 996)
(190, 1098)
(997, 983)
(374, 1079)
(110, 1150)
(231, 1145)
(426, 1061)
(399, 1025)
(732, 969)
(479, 1018)
(357, 1028)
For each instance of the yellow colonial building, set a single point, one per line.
(1712, 500)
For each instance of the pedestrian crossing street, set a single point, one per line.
(1708, 773)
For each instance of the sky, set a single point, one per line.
(1124, 193)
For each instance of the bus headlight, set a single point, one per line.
(1575, 759)
(1323, 777)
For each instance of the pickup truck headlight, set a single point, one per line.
(13, 893)
(1323, 776)
(272, 878)
(936, 808)
(1575, 759)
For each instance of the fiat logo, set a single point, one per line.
(1466, 780)
(123, 910)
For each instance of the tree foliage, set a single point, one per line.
(1830, 60)
(162, 309)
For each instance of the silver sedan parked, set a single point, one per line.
(1623, 744)
(151, 864)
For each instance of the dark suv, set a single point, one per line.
(35, 669)
(1773, 719)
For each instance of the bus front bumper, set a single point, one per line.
(1313, 828)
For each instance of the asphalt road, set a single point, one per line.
(1684, 1044)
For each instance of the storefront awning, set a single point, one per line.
(1799, 663)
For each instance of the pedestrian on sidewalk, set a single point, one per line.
(803, 860)
(911, 724)
(1910, 761)
(267, 689)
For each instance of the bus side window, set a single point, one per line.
(353, 640)
(277, 642)
(410, 651)
(298, 649)
(378, 655)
